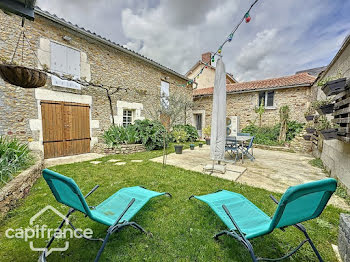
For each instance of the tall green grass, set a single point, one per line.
(14, 156)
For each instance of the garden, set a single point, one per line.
(181, 229)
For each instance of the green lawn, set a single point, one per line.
(182, 229)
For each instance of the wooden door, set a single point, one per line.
(66, 128)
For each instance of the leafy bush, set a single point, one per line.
(207, 131)
(148, 132)
(269, 135)
(180, 135)
(115, 136)
(14, 156)
(191, 131)
(323, 124)
(151, 133)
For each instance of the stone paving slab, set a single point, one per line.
(95, 162)
(120, 163)
(71, 159)
(271, 170)
(197, 159)
(113, 160)
(136, 160)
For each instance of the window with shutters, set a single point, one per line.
(164, 94)
(127, 117)
(267, 98)
(65, 61)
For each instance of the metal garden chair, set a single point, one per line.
(245, 149)
(232, 147)
(246, 221)
(115, 212)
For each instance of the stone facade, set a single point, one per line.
(344, 237)
(100, 60)
(335, 154)
(243, 104)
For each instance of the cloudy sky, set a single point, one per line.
(282, 37)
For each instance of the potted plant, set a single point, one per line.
(310, 129)
(180, 136)
(310, 113)
(200, 145)
(207, 132)
(327, 129)
(192, 146)
(324, 106)
(334, 87)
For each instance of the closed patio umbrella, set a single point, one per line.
(218, 120)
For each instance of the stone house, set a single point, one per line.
(243, 98)
(206, 78)
(335, 153)
(63, 117)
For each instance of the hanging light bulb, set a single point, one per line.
(247, 18)
(213, 59)
(230, 37)
(220, 49)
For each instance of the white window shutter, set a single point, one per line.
(65, 60)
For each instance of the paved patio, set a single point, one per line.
(272, 170)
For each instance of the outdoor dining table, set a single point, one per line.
(240, 140)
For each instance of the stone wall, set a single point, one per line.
(122, 149)
(335, 154)
(299, 144)
(19, 187)
(344, 237)
(20, 108)
(243, 105)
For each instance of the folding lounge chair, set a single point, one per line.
(246, 221)
(115, 212)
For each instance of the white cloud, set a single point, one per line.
(282, 37)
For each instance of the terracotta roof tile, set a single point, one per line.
(285, 81)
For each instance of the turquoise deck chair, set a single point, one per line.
(115, 212)
(246, 221)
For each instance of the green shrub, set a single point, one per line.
(269, 135)
(191, 131)
(14, 156)
(151, 134)
(117, 135)
(179, 135)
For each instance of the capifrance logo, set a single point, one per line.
(36, 231)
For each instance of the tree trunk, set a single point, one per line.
(110, 106)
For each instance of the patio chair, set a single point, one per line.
(245, 149)
(246, 221)
(231, 147)
(115, 212)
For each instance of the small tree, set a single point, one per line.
(170, 110)
(284, 117)
(260, 111)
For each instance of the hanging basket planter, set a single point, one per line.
(22, 76)
(334, 87)
(329, 134)
(325, 109)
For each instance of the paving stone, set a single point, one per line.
(96, 162)
(114, 160)
(136, 160)
(120, 163)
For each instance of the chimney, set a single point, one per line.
(206, 58)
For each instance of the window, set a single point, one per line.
(267, 98)
(164, 94)
(127, 117)
(65, 60)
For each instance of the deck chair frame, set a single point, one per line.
(245, 242)
(313, 196)
(115, 227)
